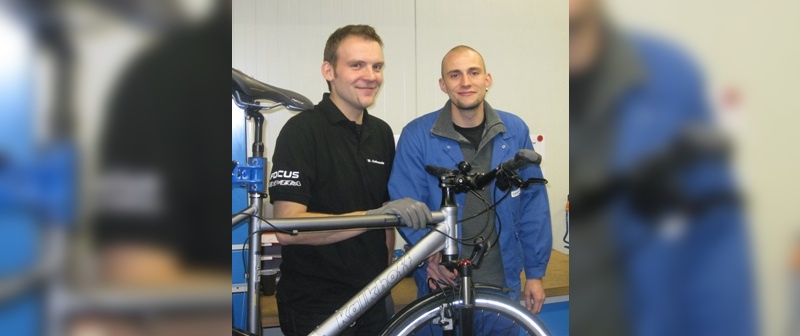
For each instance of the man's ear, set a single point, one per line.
(441, 85)
(488, 80)
(327, 71)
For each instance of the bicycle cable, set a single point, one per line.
(486, 224)
(244, 262)
(246, 240)
(492, 231)
(293, 233)
(449, 294)
(499, 222)
(473, 216)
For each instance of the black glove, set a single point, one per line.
(412, 213)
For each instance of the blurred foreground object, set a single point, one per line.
(658, 234)
(52, 280)
(38, 169)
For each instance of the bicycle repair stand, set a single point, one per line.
(246, 93)
(251, 176)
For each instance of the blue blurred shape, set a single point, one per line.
(18, 238)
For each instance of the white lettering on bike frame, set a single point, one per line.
(382, 284)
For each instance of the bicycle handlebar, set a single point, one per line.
(464, 181)
(523, 158)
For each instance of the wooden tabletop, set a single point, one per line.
(556, 278)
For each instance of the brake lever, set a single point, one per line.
(477, 253)
(509, 179)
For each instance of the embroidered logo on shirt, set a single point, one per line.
(285, 178)
(515, 193)
(375, 161)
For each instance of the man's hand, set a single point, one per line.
(534, 295)
(414, 214)
(438, 272)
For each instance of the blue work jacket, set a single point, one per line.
(688, 274)
(526, 234)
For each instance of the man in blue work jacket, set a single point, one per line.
(468, 129)
(658, 240)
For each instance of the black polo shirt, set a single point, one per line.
(331, 165)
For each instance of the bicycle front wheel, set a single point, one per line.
(493, 314)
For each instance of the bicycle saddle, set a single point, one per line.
(250, 90)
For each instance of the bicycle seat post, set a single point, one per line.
(254, 267)
(258, 143)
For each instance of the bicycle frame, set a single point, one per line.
(373, 291)
(391, 276)
(444, 238)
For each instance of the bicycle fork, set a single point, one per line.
(449, 258)
(466, 313)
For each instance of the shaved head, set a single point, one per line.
(457, 50)
(465, 80)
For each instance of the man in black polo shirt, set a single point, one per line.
(336, 160)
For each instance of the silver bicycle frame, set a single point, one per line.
(373, 291)
(254, 268)
(383, 283)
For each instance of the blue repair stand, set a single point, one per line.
(37, 184)
(19, 315)
(239, 234)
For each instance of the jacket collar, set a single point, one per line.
(443, 126)
(620, 69)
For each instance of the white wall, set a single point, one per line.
(525, 47)
(524, 44)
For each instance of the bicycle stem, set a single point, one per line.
(450, 245)
(450, 208)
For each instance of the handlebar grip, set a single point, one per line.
(523, 158)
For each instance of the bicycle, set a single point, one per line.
(452, 309)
